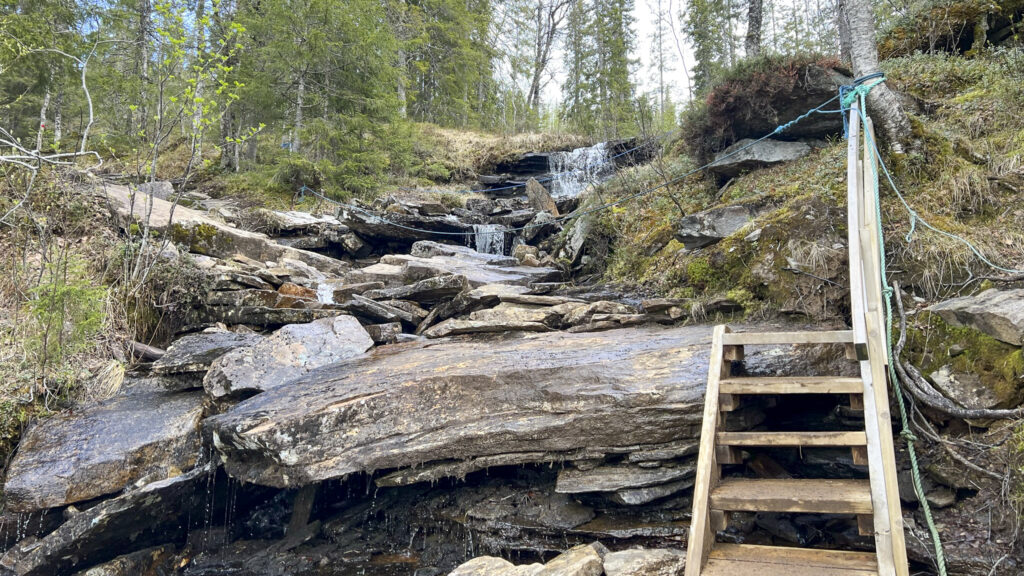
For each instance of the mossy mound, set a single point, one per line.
(753, 98)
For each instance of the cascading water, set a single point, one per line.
(489, 238)
(573, 171)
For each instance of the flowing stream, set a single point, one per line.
(573, 171)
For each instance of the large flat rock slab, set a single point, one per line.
(415, 403)
(103, 448)
(205, 235)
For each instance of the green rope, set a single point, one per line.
(860, 90)
(887, 291)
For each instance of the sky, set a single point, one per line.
(645, 25)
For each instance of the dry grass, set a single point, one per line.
(466, 154)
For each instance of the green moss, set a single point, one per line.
(998, 365)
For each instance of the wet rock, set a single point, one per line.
(115, 443)
(384, 333)
(541, 300)
(640, 562)
(655, 305)
(205, 235)
(453, 327)
(240, 298)
(195, 352)
(619, 477)
(428, 291)
(17, 526)
(225, 279)
(585, 560)
(539, 198)
(710, 226)
(415, 313)
(147, 562)
(149, 516)
(964, 389)
(637, 496)
(430, 249)
(998, 313)
(756, 155)
(578, 233)
(287, 354)
(544, 393)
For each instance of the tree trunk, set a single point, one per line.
(297, 134)
(883, 105)
(755, 14)
(42, 116)
(58, 119)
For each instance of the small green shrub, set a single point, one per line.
(67, 310)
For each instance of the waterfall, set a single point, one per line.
(573, 171)
(489, 238)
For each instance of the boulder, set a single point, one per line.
(640, 562)
(540, 227)
(539, 198)
(296, 291)
(491, 566)
(584, 560)
(103, 448)
(384, 333)
(555, 393)
(195, 352)
(756, 155)
(375, 312)
(263, 316)
(998, 313)
(150, 516)
(205, 235)
(287, 354)
(710, 226)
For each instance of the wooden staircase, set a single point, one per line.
(874, 501)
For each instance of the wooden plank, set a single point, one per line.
(859, 455)
(853, 223)
(888, 519)
(765, 338)
(792, 385)
(856, 401)
(732, 353)
(716, 567)
(801, 495)
(799, 556)
(702, 525)
(792, 439)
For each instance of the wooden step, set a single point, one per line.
(743, 559)
(762, 338)
(801, 495)
(792, 385)
(791, 439)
